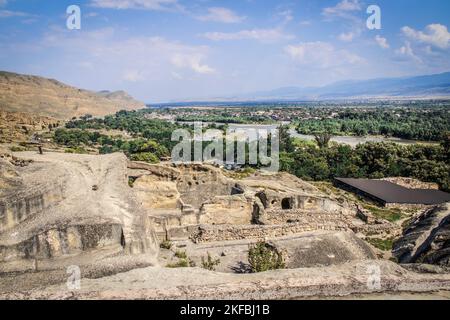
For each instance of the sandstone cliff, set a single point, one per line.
(48, 97)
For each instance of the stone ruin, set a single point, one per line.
(182, 200)
(197, 204)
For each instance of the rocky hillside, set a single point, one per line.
(19, 126)
(426, 239)
(48, 97)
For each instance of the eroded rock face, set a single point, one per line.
(48, 97)
(58, 242)
(180, 199)
(236, 209)
(67, 205)
(199, 183)
(156, 194)
(9, 178)
(426, 239)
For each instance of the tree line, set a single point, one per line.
(428, 124)
(428, 163)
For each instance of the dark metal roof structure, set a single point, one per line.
(389, 192)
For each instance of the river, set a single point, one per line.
(353, 141)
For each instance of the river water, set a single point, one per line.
(353, 141)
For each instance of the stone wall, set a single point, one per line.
(277, 217)
(227, 233)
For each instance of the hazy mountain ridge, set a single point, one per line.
(420, 86)
(49, 97)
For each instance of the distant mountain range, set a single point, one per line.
(48, 97)
(428, 86)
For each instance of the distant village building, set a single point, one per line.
(390, 194)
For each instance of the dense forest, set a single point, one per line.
(427, 124)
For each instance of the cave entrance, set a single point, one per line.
(287, 204)
(122, 240)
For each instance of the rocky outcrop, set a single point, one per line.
(350, 280)
(181, 198)
(235, 209)
(324, 249)
(200, 183)
(426, 239)
(155, 194)
(9, 178)
(67, 205)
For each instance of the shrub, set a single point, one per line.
(264, 257)
(77, 150)
(182, 263)
(131, 181)
(145, 157)
(17, 149)
(181, 254)
(382, 244)
(166, 244)
(209, 263)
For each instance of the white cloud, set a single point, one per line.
(346, 9)
(321, 55)
(191, 61)
(382, 42)
(133, 76)
(286, 15)
(10, 14)
(141, 57)
(406, 51)
(159, 5)
(346, 37)
(224, 15)
(262, 35)
(435, 34)
(176, 75)
(342, 9)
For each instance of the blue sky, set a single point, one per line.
(167, 50)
